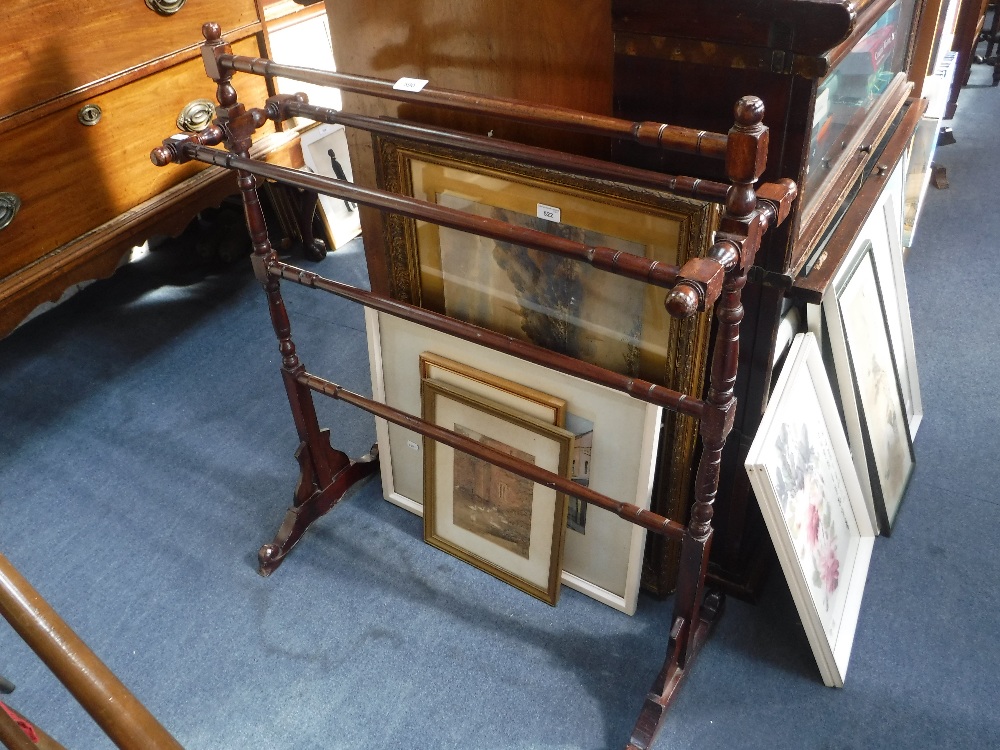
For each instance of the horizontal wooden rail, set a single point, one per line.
(541, 157)
(12, 736)
(653, 134)
(640, 389)
(127, 722)
(630, 512)
(605, 258)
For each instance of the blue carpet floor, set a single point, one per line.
(146, 453)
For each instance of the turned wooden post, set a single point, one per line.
(325, 473)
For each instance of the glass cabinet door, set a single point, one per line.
(851, 92)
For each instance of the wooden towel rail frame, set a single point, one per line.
(701, 284)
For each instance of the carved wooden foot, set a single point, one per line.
(312, 501)
(654, 710)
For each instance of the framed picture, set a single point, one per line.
(496, 520)
(801, 471)
(557, 303)
(882, 231)
(868, 379)
(527, 401)
(324, 151)
(603, 553)
(889, 264)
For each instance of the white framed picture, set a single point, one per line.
(857, 322)
(889, 263)
(800, 467)
(604, 561)
(324, 150)
(881, 230)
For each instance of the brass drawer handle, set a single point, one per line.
(9, 205)
(196, 115)
(89, 114)
(165, 7)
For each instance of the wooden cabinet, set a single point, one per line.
(86, 89)
(833, 78)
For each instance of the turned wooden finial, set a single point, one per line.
(749, 112)
(683, 301)
(746, 155)
(161, 156)
(211, 31)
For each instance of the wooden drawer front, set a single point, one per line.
(50, 47)
(71, 178)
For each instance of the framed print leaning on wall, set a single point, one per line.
(802, 474)
(868, 383)
(555, 302)
(561, 304)
(604, 561)
(502, 523)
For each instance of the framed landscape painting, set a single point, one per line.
(800, 467)
(490, 517)
(555, 302)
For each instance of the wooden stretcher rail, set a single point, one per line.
(687, 186)
(605, 258)
(640, 389)
(632, 513)
(653, 134)
(127, 722)
(12, 736)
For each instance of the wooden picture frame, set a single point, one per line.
(802, 474)
(528, 401)
(868, 383)
(582, 315)
(503, 524)
(605, 562)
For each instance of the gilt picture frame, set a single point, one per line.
(605, 563)
(802, 474)
(493, 519)
(559, 303)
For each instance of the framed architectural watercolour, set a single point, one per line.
(616, 439)
(868, 383)
(496, 520)
(801, 471)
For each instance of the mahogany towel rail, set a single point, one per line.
(701, 284)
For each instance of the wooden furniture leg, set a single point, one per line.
(326, 473)
(736, 243)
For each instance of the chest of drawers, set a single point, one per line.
(83, 92)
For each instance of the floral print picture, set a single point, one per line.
(803, 476)
(810, 490)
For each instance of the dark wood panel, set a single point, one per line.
(554, 53)
(804, 26)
